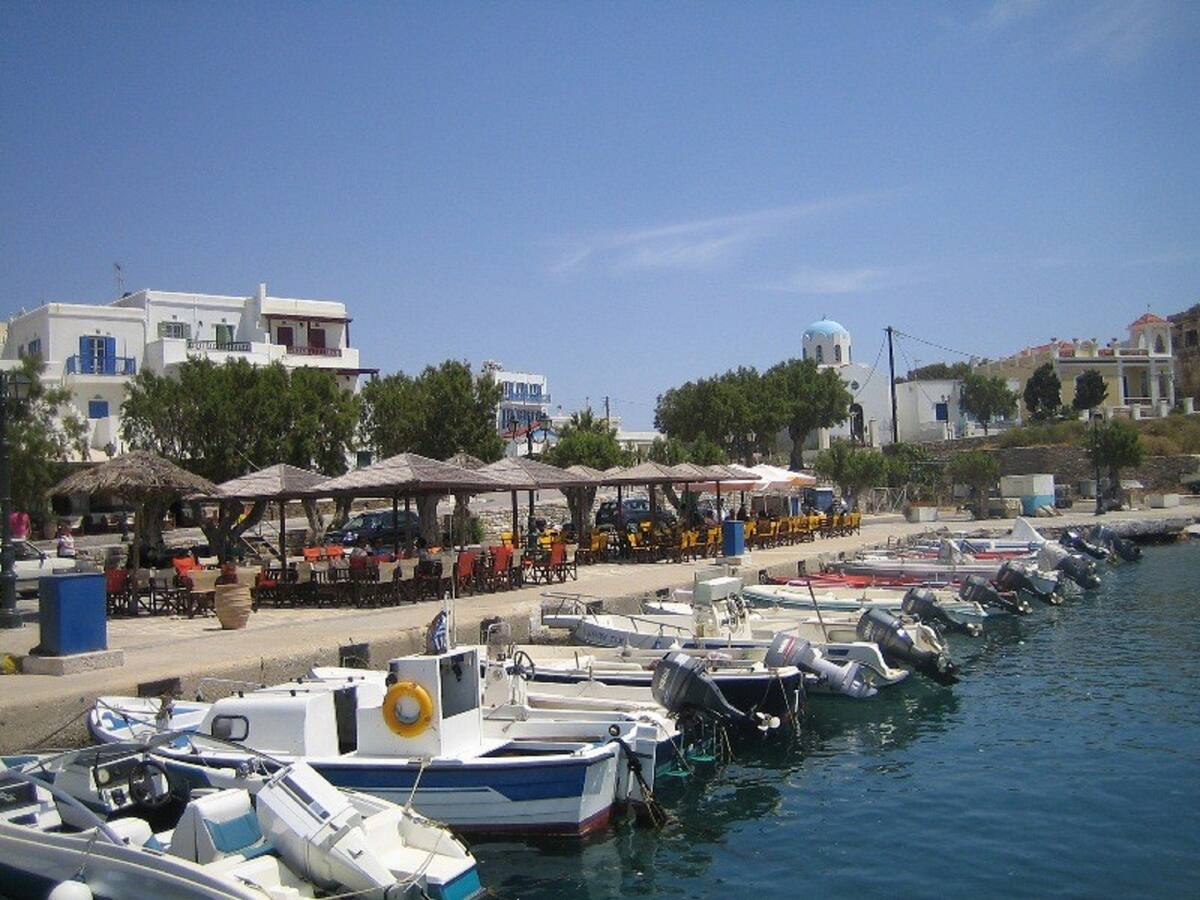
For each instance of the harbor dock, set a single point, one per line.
(279, 644)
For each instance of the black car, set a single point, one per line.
(637, 510)
(378, 528)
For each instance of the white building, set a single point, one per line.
(96, 350)
(524, 399)
(925, 410)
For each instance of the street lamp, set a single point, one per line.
(1096, 459)
(13, 386)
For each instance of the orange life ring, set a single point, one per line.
(400, 716)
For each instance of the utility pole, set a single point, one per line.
(606, 425)
(892, 369)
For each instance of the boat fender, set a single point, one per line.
(70, 890)
(407, 708)
(897, 645)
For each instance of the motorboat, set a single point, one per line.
(800, 594)
(418, 736)
(126, 820)
(715, 619)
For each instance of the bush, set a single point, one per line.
(1044, 434)
(1159, 445)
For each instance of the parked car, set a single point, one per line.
(30, 564)
(636, 509)
(378, 527)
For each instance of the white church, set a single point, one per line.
(925, 410)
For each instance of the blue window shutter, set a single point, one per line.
(97, 409)
(85, 356)
(110, 356)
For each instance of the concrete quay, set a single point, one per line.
(276, 645)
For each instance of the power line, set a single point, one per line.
(932, 344)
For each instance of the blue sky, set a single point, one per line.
(621, 195)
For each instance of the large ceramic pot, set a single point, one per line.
(232, 605)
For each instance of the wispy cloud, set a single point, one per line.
(1115, 32)
(1166, 258)
(695, 244)
(842, 281)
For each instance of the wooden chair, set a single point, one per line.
(563, 562)
(464, 573)
(500, 573)
(334, 551)
(313, 554)
(202, 589)
(119, 593)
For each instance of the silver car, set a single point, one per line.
(30, 564)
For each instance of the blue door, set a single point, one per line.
(97, 355)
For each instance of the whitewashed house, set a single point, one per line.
(95, 350)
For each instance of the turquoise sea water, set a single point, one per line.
(1066, 763)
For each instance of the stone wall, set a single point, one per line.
(1070, 464)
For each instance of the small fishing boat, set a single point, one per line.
(802, 594)
(419, 737)
(126, 820)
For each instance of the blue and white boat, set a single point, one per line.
(417, 737)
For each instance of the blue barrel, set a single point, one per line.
(72, 613)
(733, 538)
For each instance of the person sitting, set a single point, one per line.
(362, 547)
(66, 542)
(742, 516)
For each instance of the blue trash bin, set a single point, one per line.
(733, 538)
(72, 613)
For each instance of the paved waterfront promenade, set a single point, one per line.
(280, 644)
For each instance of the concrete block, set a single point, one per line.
(921, 514)
(73, 663)
(1162, 501)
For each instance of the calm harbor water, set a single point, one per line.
(1065, 763)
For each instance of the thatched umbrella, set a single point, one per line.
(647, 473)
(529, 474)
(139, 478)
(280, 482)
(407, 474)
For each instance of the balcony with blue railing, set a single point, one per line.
(100, 365)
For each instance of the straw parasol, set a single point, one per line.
(647, 473)
(407, 475)
(523, 474)
(140, 478)
(279, 482)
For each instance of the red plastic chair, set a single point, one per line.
(464, 573)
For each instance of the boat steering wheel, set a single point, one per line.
(522, 666)
(144, 784)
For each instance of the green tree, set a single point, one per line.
(805, 398)
(43, 433)
(978, 470)
(732, 411)
(851, 468)
(1043, 392)
(669, 451)
(938, 371)
(704, 452)
(443, 411)
(585, 441)
(986, 398)
(909, 466)
(221, 421)
(1090, 390)
(1114, 446)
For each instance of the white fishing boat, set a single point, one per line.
(124, 820)
(796, 594)
(419, 738)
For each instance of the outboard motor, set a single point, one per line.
(1104, 536)
(977, 589)
(1075, 540)
(842, 678)
(681, 683)
(921, 604)
(882, 628)
(1080, 570)
(1013, 577)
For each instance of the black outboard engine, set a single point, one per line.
(1013, 578)
(681, 683)
(1080, 570)
(1103, 536)
(841, 678)
(977, 589)
(922, 605)
(882, 628)
(1074, 539)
